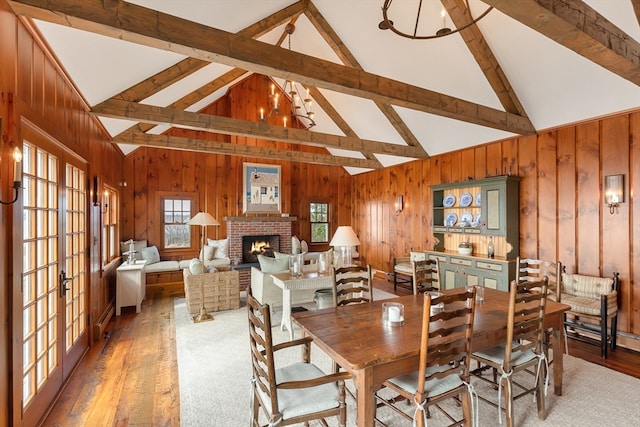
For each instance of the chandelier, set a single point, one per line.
(387, 24)
(301, 108)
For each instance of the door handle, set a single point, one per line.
(63, 280)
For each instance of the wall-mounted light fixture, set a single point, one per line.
(613, 191)
(399, 203)
(96, 191)
(17, 175)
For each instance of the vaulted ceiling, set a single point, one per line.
(144, 66)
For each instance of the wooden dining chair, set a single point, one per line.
(529, 269)
(352, 284)
(522, 351)
(426, 276)
(291, 394)
(445, 354)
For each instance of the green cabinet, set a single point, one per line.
(494, 214)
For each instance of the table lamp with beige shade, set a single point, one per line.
(344, 238)
(202, 219)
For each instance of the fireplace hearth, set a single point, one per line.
(252, 246)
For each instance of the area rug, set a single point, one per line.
(214, 370)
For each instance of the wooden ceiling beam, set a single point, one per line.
(482, 53)
(155, 29)
(577, 26)
(228, 126)
(226, 148)
(331, 37)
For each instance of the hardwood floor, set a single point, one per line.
(131, 376)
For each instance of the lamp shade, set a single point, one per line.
(344, 236)
(203, 218)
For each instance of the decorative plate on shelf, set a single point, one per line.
(477, 220)
(451, 220)
(478, 199)
(466, 217)
(449, 201)
(466, 199)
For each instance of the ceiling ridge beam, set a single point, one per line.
(226, 148)
(578, 27)
(229, 126)
(159, 30)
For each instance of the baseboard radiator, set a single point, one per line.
(100, 326)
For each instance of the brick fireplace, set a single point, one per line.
(239, 226)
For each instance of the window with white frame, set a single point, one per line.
(319, 219)
(176, 211)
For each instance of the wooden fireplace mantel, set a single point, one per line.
(260, 218)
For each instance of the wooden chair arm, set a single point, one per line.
(326, 379)
(296, 342)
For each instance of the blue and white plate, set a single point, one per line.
(451, 220)
(466, 199)
(477, 220)
(478, 199)
(466, 217)
(449, 201)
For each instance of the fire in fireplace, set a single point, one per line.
(252, 246)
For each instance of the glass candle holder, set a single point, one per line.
(392, 314)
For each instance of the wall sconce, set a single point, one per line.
(613, 191)
(399, 203)
(96, 191)
(17, 175)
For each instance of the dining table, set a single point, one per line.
(357, 339)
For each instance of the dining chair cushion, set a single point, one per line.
(300, 401)
(496, 355)
(404, 268)
(586, 286)
(433, 387)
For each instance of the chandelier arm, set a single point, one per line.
(415, 29)
(390, 26)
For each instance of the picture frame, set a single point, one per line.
(261, 188)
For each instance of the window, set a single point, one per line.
(175, 214)
(110, 249)
(319, 216)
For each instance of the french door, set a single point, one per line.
(53, 301)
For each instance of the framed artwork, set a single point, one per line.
(261, 188)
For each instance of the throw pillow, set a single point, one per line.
(222, 247)
(273, 265)
(138, 245)
(195, 266)
(151, 255)
(209, 252)
(295, 245)
(281, 255)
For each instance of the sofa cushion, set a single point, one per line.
(162, 266)
(196, 266)
(273, 265)
(138, 245)
(151, 255)
(222, 247)
(216, 262)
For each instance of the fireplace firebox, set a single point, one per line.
(252, 246)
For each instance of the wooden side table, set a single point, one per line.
(130, 285)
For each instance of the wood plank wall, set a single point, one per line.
(562, 213)
(34, 90)
(217, 179)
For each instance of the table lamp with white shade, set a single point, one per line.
(345, 238)
(202, 219)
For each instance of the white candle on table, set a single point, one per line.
(394, 314)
